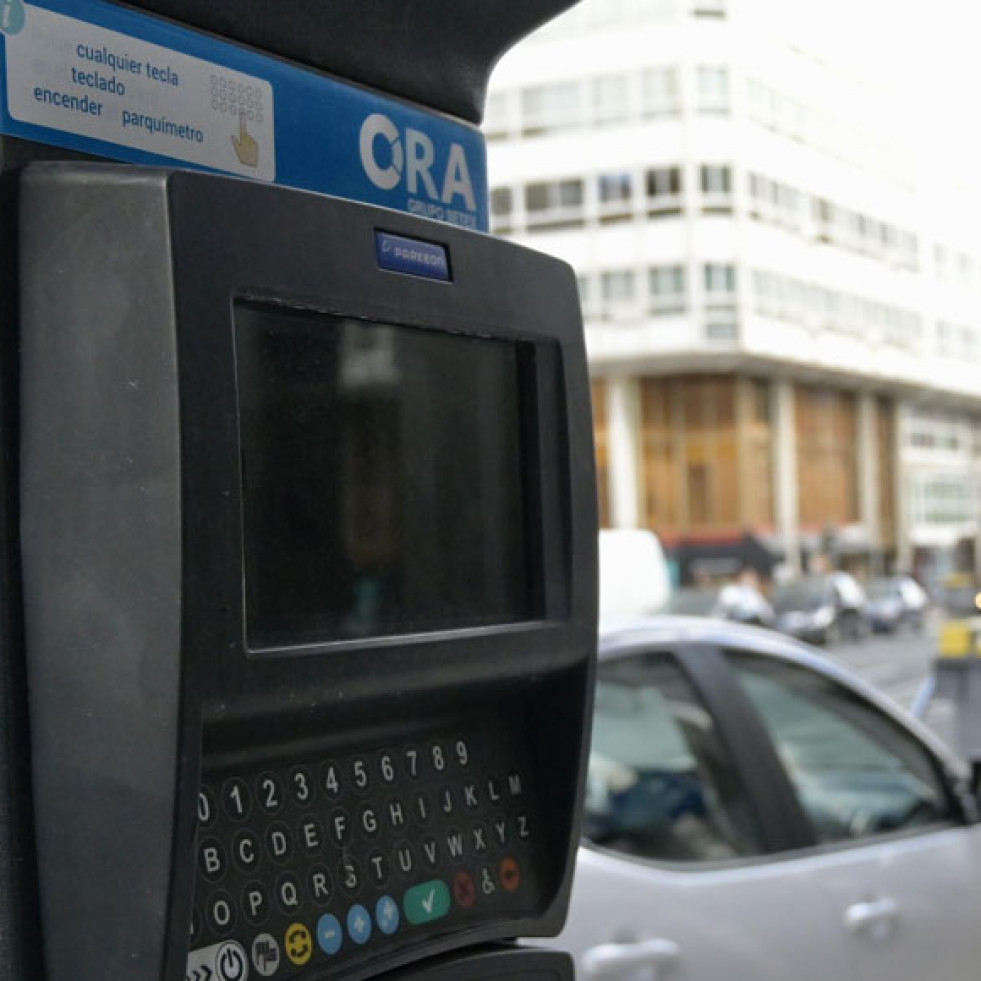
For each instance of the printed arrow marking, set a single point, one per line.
(427, 904)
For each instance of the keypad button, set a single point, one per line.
(266, 955)
(310, 834)
(289, 894)
(430, 852)
(422, 807)
(446, 801)
(510, 874)
(206, 808)
(499, 829)
(456, 844)
(412, 762)
(330, 935)
(464, 890)
(301, 785)
(339, 828)
(245, 850)
(485, 881)
(522, 826)
(236, 799)
(319, 885)
(495, 790)
(359, 924)
(368, 821)
(426, 902)
(404, 859)
(470, 798)
(349, 876)
(396, 813)
(330, 780)
(220, 913)
(378, 868)
(212, 860)
(478, 838)
(279, 843)
(255, 903)
(298, 944)
(461, 750)
(360, 774)
(387, 915)
(437, 758)
(269, 793)
(386, 767)
(515, 784)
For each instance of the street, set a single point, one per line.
(897, 664)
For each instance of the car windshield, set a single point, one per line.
(802, 595)
(693, 602)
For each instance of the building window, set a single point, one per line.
(615, 193)
(663, 185)
(719, 278)
(667, 289)
(659, 92)
(502, 205)
(611, 100)
(551, 108)
(554, 204)
(709, 8)
(617, 288)
(713, 90)
(716, 183)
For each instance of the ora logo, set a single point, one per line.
(413, 161)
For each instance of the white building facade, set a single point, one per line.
(782, 327)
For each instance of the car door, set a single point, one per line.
(898, 865)
(677, 882)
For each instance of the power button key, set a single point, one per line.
(231, 963)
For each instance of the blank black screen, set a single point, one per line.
(383, 478)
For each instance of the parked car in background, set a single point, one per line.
(633, 574)
(754, 812)
(895, 602)
(737, 602)
(822, 609)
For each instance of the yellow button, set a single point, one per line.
(298, 944)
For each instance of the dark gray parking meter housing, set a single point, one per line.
(307, 519)
(299, 594)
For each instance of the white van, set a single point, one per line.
(633, 575)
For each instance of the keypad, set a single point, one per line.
(319, 860)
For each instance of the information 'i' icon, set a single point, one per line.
(12, 16)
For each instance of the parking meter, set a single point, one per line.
(299, 523)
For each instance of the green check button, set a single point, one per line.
(426, 902)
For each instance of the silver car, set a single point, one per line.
(756, 813)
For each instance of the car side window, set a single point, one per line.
(662, 784)
(857, 773)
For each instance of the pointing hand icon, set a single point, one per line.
(246, 148)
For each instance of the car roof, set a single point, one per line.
(623, 638)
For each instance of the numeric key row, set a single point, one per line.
(270, 792)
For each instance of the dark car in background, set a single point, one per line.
(822, 609)
(736, 602)
(896, 602)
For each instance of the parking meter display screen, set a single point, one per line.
(383, 479)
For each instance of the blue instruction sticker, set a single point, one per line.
(111, 81)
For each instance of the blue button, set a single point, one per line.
(387, 915)
(330, 936)
(359, 924)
